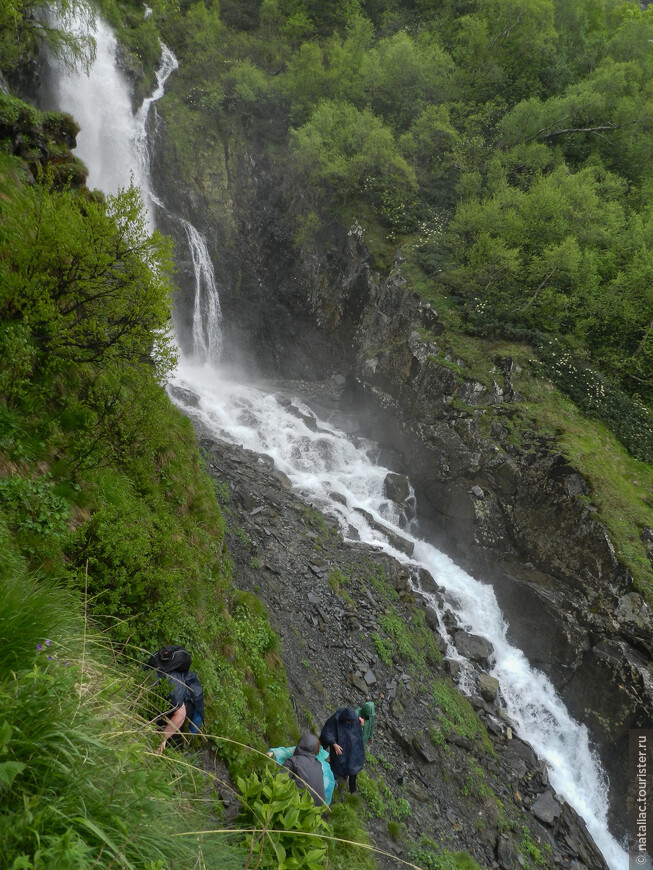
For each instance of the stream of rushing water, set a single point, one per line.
(320, 460)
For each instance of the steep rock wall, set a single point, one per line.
(510, 514)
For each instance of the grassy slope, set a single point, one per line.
(620, 486)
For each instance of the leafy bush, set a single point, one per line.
(432, 856)
(285, 823)
(629, 419)
(349, 153)
(348, 850)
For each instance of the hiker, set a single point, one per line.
(171, 666)
(305, 769)
(367, 715)
(283, 754)
(342, 735)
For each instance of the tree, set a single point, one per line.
(537, 257)
(403, 75)
(87, 279)
(84, 300)
(349, 153)
(26, 24)
(502, 45)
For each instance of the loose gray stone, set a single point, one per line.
(473, 647)
(425, 749)
(417, 791)
(488, 687)
(546, 808)
(506, 852)
(358, 682)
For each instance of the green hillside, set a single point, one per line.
(503, 147)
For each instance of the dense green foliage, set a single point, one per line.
(102, 493)
(278, 813)
(27, 25)
(79, 784)
(504, 145)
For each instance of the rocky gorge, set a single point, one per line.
(511, 510)
(439, 764)
(358, 342)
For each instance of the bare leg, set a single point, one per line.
(173, 725)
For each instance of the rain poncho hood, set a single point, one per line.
(368, 713)
(306, 770)
(283, 753)
(344, 729)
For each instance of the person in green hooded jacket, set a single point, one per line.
(368, 714)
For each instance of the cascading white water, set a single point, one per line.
(207, 316)
(322, 461)
(113, 143)
(100, 103)
(167, 65)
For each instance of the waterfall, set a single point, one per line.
(207, 335)
(322, 461)
(113, 143)
(100, 103)
(341, 477)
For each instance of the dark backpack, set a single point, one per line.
(170, 658)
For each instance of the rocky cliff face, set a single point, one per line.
(438, 764)
(513, 514)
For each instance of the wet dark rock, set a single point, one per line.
(546, 808)
(453, 668)
(425, 748)
(186, 397)
(396, 540)
(396, 487)
(506, 852)
(473, 647)
(417, 791)
(488, 687)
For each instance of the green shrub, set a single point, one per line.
(284, 820)
(431, 856)
(630, 420)
(457, 715)
(349, 830)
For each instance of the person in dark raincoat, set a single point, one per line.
(305, 769)
(342, 735)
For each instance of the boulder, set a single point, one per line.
(546, 808)
(506, 852)
(473, 647)
(488, 687)
(396, 487)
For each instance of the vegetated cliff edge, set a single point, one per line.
(509, 509)
(438, 766)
